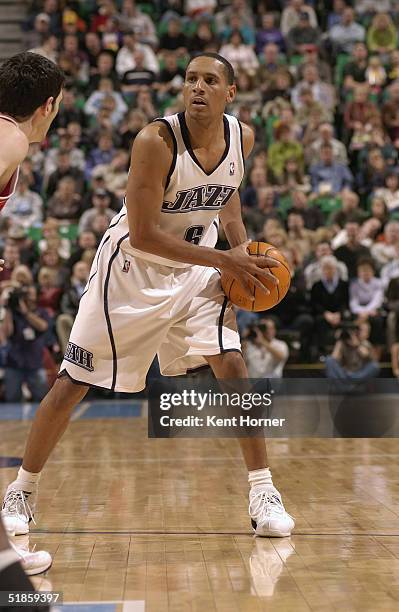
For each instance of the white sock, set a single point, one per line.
(27, 481)
(262, 477)
(8, 557)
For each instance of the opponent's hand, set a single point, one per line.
(243, 267)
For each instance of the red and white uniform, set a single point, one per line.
(9, 189)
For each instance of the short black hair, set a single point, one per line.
(27, 80)
(228, 68)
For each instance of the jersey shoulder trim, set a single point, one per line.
(172, 135)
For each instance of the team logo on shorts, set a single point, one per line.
(126, 266)
(79, 356)
(232, 168)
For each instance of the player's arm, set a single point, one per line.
(151, 159)
(230, 216)
(13, 150)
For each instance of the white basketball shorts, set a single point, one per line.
(133, 309)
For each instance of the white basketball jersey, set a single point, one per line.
(193, 197)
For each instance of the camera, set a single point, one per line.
(252, 330)
(17, 294)
(346, 330)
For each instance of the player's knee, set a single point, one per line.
(228, 365)
(65, 394)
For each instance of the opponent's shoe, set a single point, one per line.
(17, 511)
(33, 562)
(269, 518)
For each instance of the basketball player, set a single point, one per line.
(30, 95)
(153, 287)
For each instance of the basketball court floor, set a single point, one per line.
(144, 525)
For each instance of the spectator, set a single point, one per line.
(66, 144)
(349, 211)
(329, 177)
(352, 251)
(101, 202)
(103, 154)
(49, 293)
(283, 149)
(313, 271)
(69, 111)
(322, 92)
(65, 204)
(204, 38)
(390, 192)
(12, 259)
(137, 77)
(329, 299)
(101, 96)
(312, 215)
(174, 39)
(347, 33)
(70, 302)
(291, 15)
(366, 298)
(24, 326)
(240, 56)
(105, 69)
(41, 28)
(265, 355)
(355, 70)
(139, 22)
(302, 238)
(25, 207)
(65, 168)
(382, 36)
(326, 137)
(384, 252)
(293, 313)
(302, 36)
(351, 359)
(392, 303)
(87, 243)
(48, 48)
(335, 16)
(269, 34)
(125, 59)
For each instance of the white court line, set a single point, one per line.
(221, 459)
(81, 410)
(128, 606)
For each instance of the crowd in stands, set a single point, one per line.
(319, 84)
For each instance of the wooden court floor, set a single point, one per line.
(141, 525)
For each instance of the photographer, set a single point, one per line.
(24, 326)
(265, 355)
(351, 358)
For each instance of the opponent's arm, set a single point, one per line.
(152, 155)
(230, 216)
(14, 148)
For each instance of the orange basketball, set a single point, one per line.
(235, 292)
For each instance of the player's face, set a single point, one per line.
(206, 90)
(43, 118)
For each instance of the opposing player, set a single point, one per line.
(153, 287)
(30, 95)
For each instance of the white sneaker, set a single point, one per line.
(16, 511)
(33, 562)
(268, 515)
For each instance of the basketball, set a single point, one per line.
(263, 301)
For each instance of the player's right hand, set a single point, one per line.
(245, 268)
